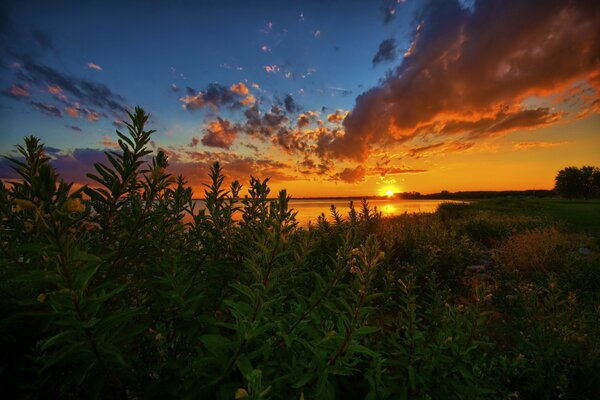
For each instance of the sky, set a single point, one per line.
(327, 98)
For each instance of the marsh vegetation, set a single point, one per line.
(483, 300)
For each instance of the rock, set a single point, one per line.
(584, 251)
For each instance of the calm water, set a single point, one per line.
(309, 210)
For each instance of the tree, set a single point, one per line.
(573, 182)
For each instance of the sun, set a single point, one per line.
(389, 193)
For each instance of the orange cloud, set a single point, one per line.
(107, 141)
(72, 112)
(539, 145)
(248, 100)
(470, 63)
(19, 91)
(338, 116)
(220, 133)
(239, 88)
(54, 89)
(92, 116)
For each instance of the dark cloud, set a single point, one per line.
(289, 140)
(47, 109)
(220, 133)
(234, 166)
(42, 40)
(466, 64)
(214, 96)
(264, 124)
(351, 175)
(73, 127)
(290, 105)
(71, 167)
(85, 92)
(386, 52)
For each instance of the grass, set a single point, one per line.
(578, 215)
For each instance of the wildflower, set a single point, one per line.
(159, 337)
(42, 297)
(27, 227)
(241, 393)
(75, 205)
(89, 226)
(24, 205)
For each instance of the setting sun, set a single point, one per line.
(389, 193)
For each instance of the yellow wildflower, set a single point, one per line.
(24, 205)
(75, 205)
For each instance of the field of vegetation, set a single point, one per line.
(106, 293)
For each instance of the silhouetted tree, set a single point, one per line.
(573, 182)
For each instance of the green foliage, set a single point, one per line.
(130, 288)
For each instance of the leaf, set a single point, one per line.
(244, 366)
(365, 330)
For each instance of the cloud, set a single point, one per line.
(107, 141)
(42, 40)
(220, 133)
(383, 171)
(18, 91)
(75, 128)
(47, 109)
(386, 52)
(194, 141)
(388, 8)
(88, 93)
(72, 112)
(317, 33)
(290, 105)
(265, 48)
(272, 68)
(215, 96)
(92, 116)
(239, 88)
(337, 117)
(306, 118)
(351, 175)
(264, 124)
(438, 148)
(466, 64)
(539, 145)
(94, 66)
(71, 166)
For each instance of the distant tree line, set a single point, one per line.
(573, 182)
(477, 194)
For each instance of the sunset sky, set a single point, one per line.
(328, 98)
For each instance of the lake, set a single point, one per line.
(309, 210)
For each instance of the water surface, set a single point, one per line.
(310, 210)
